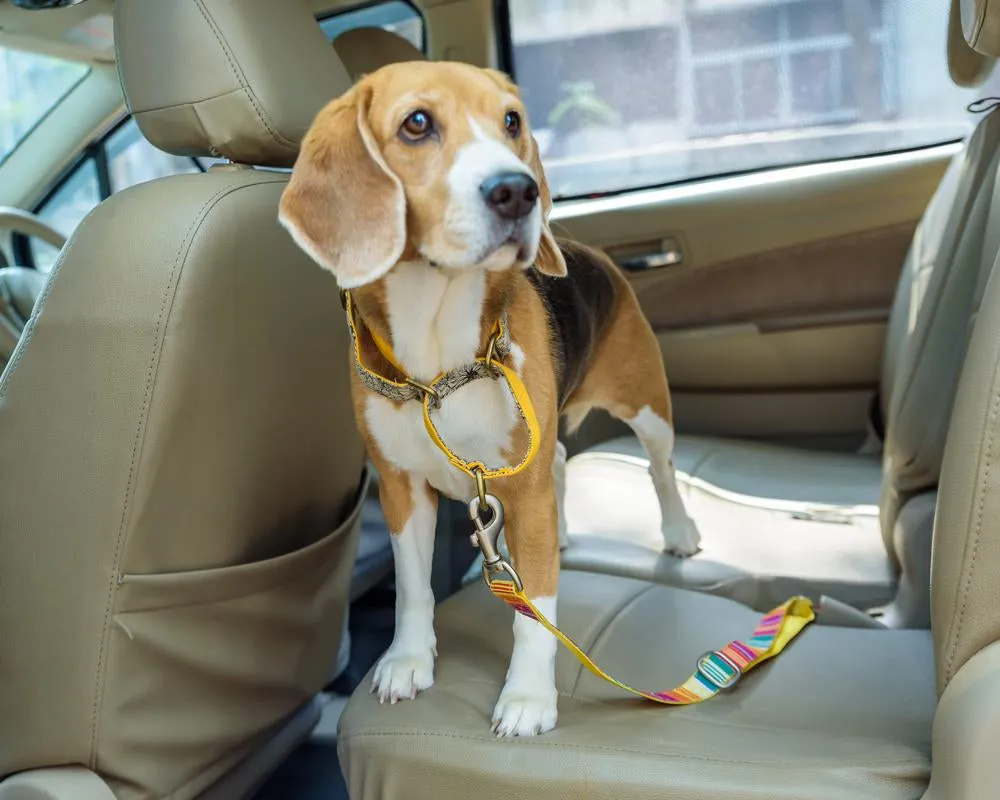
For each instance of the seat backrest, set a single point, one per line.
(952, 253)
(966, 555)
(180, 465)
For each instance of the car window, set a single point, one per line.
(31, 85)
(122, 159)
(395, 16)
(132, 159)
(65, 208)
(649, 92)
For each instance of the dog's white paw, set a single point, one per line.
(681, 537)
(521, 712)
(402, 673)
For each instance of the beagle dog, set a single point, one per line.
(422, 191)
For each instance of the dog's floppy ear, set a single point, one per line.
(343, 205)
(550, 258)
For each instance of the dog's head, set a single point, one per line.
(422, 160)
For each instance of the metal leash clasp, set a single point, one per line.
(487, 539)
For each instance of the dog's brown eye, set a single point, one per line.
(512, 122)
(418, 124)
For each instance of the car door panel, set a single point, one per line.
(772, 303)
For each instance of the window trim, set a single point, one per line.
(96, 149)
(504, 44)
(72, 88)
(371, 4)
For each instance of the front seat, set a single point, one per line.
(181, 473)
(777, 519)
(841, 714)
(19, 290)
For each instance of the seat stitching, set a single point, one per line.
(163, 315)
(240, 76)
(972, 547)
(613, 617)
(537, 742)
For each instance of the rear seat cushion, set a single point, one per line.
(753, 549)
(786, 725)
(770, 475)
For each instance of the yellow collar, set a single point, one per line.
(433, 394)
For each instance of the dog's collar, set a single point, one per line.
(412, 389)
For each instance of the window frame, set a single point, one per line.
(504, 45)
(88, 71)
(95, 150)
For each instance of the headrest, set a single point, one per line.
(966, 67)
(240, 79)
(364, 50)
(981, 26)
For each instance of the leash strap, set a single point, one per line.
(716, 670)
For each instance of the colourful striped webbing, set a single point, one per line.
(716, 670)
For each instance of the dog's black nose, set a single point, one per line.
(511, 195)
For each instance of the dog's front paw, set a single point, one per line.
(402, 673)
(521, 712)
(681, 537)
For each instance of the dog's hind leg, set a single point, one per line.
(626, 378)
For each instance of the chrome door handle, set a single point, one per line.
(669, 256)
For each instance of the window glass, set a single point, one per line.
(30, 86)
(630, 93)
(132, 159)
(394, 15)
(65, 209)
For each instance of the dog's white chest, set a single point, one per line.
(476, 422)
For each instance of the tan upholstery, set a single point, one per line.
(807, 519)
(19, 289)
(966, 67)
(181, 470)
(756, 556)
(775, 730)
(842, 714)
(981, 24)
(241, 79)
(364, 50)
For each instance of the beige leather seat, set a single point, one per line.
(19, 290)
(777, 519)
(180, 469)
(842, 714)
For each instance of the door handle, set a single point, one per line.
(669, 255)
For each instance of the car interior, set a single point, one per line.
(196, 578)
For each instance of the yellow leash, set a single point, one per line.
(715, 671)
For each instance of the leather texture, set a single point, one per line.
(19, 289)
(967, 68)
(981, 25)
(755, 549)
(364, 50)
(772, 736)
(966, 594)
(923, 393)
(181, 489)
(240, 79)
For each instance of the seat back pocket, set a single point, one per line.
(202, 663)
